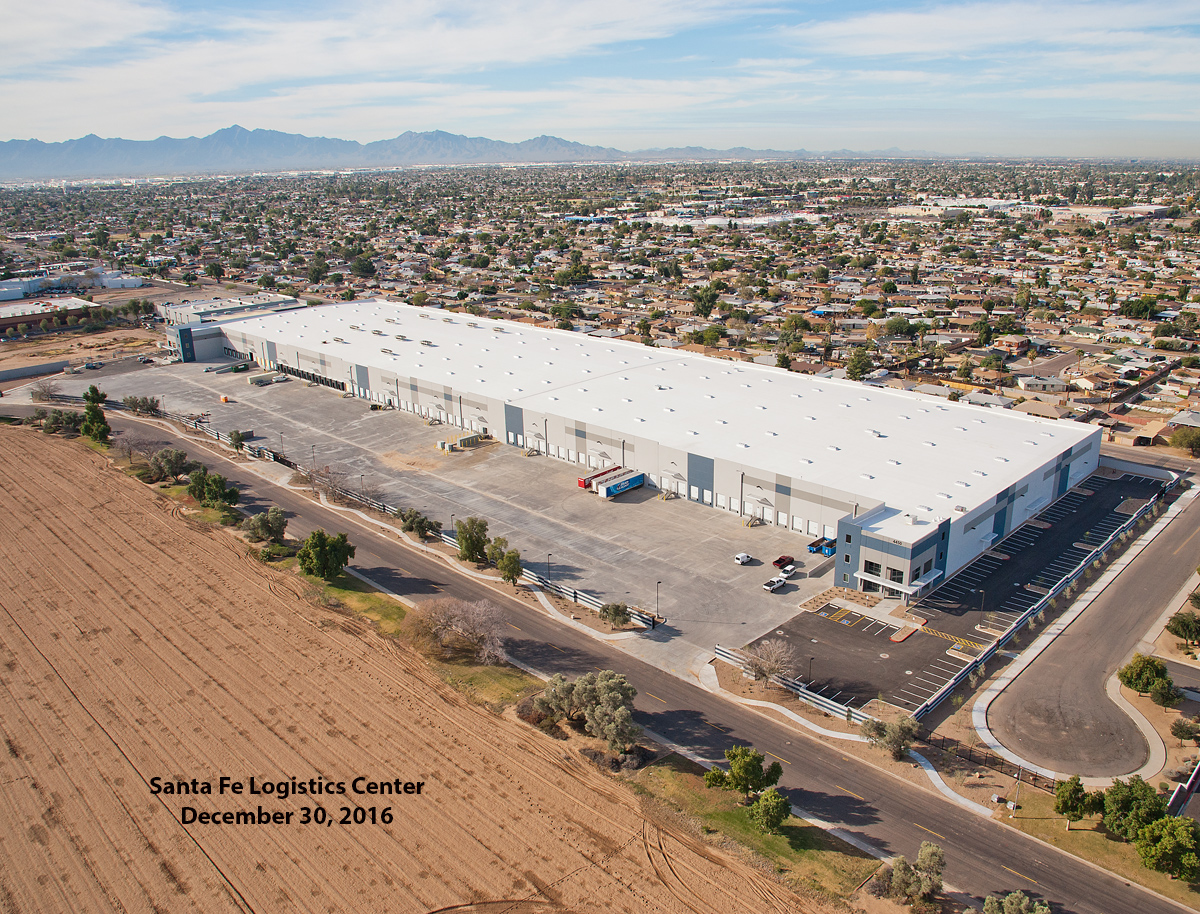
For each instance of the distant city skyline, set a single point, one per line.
(1087, 79)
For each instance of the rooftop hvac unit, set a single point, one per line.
(377, 332)
(388, 351)
(401, 336)
(425, 317)
(959, 509)
(355, 327)
(447, 320)
(472, 324)
(390, 320)
(426, 342)
(338, 339)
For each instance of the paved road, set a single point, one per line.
(1057, 714)
(1184, 676)
(983, 856)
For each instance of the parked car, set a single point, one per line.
(774, 584)
(787, 571)
(743, 558)
(93, 364)
(783, 560)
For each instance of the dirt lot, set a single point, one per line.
(136, 644)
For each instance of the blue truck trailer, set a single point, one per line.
(609, 488)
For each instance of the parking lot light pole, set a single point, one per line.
(657, 584)
(982, 596)
(810, 660)
(281, 442)
(314, 458)
(362, 490)
(548, 554)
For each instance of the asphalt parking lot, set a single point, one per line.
(851, 657)
(674, 555)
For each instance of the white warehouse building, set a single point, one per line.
(911, 486)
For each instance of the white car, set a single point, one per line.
(774, 584)
(787, 571)
(743, 558)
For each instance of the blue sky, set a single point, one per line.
(1081, 78)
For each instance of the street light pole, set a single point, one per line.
(362, 490)
(548, 554)
(314, 458)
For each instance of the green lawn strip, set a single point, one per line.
(496, 686)
(1089, 840)
(367, 601)
(806, 855)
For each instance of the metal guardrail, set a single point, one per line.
(1021, 621)
(820, 702)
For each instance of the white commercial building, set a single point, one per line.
(911, 486)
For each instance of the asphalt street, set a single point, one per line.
(983, 856)
(1056, 713)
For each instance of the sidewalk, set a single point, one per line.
(979, 711)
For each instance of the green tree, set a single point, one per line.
(557, 700)
(1184, 729)
(214, 271)
(783, 360)
(770, 810)
(704, 300)
(746, 774)
(237, 440)
(471, 536)
(1186, 438)
(94, 397)
(604, 700)
(1169, 845)
(1164, 693)
(965, 369)
(1129, 807)
(1073, 801)
(318, 269)
(496, 550)
(363, 267)
(95, 426)
(169, 463)
(325, 556)
(859, 364)
(615, 614)
(1014, 903)
(895, 736)
(930, 863)
(1140, 673)
(510, 567)
(821, 274)
(413, 521)
(269, 525)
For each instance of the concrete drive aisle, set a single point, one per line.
(891, 814)
(1057, 714)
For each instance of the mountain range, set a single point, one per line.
(236, 150)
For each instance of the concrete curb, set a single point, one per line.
(946, 790)
(980, 709)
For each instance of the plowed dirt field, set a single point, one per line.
(136, 644)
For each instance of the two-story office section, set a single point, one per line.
(912, 487)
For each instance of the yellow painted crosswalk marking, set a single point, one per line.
(955, 638)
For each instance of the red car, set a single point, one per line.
(783, 560)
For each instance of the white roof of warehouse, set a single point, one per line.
(917, 453)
